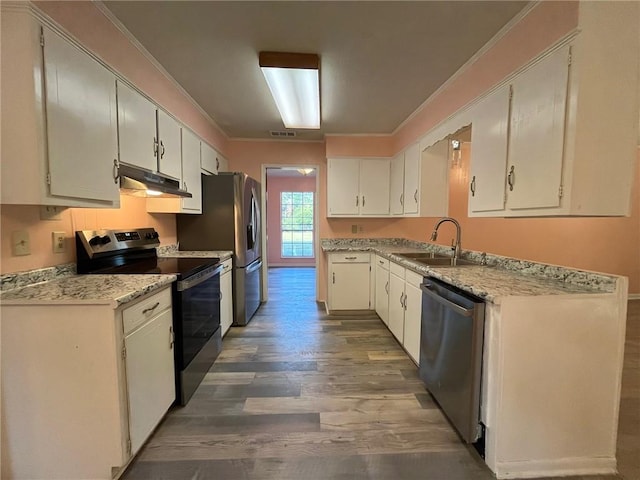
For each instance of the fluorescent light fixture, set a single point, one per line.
(305, 171)
(294, 81)
(154, 193)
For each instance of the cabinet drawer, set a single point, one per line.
(382, 262)
(396, 269)
(349, 257)
(148, 308)
(227, 265)
(413, 278)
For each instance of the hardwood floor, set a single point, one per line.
(300, 395)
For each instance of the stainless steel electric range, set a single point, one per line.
(196, 294)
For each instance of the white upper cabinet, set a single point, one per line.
(192, 182)
(149, 137)
(411, 187)
(358, 187)
(169, 156)
(396, 189)
(210, 161)
(433, 194)
(572, 126)
(137, 129)
(489, 153)
(536, 138)
(59, 137)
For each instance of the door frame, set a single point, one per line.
(316, 225)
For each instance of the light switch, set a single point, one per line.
(58, 240)
(20, 243)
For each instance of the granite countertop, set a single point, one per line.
(221, 254)
(112, 290)
(501, 277)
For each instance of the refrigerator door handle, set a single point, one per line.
(254, 266)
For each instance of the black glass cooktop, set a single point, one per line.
(183, 267)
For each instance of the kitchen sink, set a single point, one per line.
(434, 260)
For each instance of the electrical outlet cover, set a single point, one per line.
(58, 242)
(20, 244)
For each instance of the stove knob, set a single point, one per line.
(155, 235)
(148, 236)
(94, 240)
(104, 240)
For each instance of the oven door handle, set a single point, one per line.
(447, 303)
(198, 278)
(254, 266)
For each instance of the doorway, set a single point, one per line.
(290, 223)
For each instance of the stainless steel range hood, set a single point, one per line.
(141, 183)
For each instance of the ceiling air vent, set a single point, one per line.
(282, 134)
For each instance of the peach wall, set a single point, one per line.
(97, 33)
(275, 186)
(359, 146)
(131, 214)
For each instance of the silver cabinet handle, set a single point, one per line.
(217, 164)
(357, 201)
(401, 299)
(386, 288)
(402, 199)
(511, 179)
(363, 200)
(381, 262)
(161, 149)
(172, 338)
(472, 186)
(415, 195)
(405, 301)
(116, 170)
(350, 258)
(334, 277)
(185, 187)
(151, 309)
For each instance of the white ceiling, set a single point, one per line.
(379, 60)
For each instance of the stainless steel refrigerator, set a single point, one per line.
(230, 220)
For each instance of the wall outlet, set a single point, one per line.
(50, 212)
(20, 244)
(58, 241)
(354, 228)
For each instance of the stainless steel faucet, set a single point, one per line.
(456, 246)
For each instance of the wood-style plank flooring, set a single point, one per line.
(301, 395)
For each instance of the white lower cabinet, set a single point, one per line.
(149, 364)
(405, 308)
(349, 281)
(83, 385)
(382, 288)
(226, 296)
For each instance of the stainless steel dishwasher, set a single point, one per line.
(451, 343)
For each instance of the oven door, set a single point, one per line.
(196, 322)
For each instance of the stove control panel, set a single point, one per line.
(91, 243)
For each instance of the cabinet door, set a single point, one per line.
(191, 180)
(382, 293)
(396, 192)
(412, 314)
(342, 186)
(209, 160)
(169, 151)
(136, 129)
(374, 186)
(489, 133)
(411, 178)
(536, 140)
(226, 303)
(396, 306)
(150, 376)
(349, 286)
(81, 123)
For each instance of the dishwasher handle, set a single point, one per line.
(427, 288)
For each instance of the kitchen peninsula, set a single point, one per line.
(552, 357)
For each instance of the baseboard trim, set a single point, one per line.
(634, 296)
(553, 468)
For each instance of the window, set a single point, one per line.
(296, 224)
